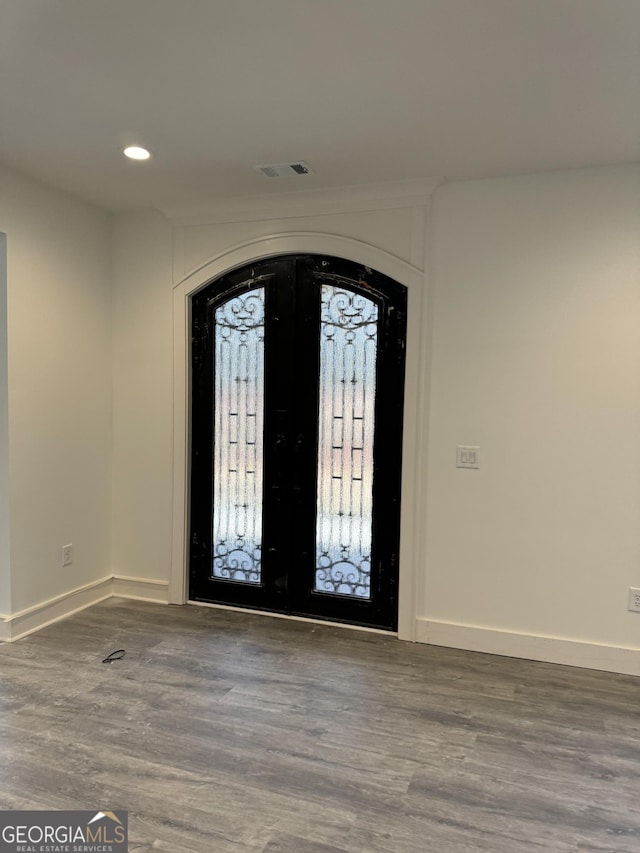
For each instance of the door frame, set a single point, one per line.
(415, 397)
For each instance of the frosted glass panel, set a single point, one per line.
(238, 428)
(348, 348)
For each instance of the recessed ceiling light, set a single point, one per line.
(134, 152)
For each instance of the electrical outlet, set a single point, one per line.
(634, 599)
(67, 555)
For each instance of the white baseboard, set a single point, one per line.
(34, 618)
(141, 589)
(530, 647)
(31, 619)
(5, 632)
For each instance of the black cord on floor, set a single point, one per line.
(117, 655)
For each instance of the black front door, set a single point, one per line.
(297, 394)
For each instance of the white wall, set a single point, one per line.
(536, 359)
(59, 339)
(534, 329)
(535, 344)
(142, 396)
(5, 562)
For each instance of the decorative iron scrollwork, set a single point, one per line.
(347, 310)
(244, 313)
(348, 355)
(238, 437)
(236, 563)
(342, 576)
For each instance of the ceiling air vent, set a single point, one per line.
(284, 170)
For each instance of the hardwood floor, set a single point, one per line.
(230, 733)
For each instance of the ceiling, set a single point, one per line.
(365, 91)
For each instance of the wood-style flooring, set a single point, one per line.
(230, 733)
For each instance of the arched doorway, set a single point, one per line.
(297, 400)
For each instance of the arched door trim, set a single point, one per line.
(413, 485)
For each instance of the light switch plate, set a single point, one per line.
(467, 457)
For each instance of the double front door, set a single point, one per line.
(297, 395)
